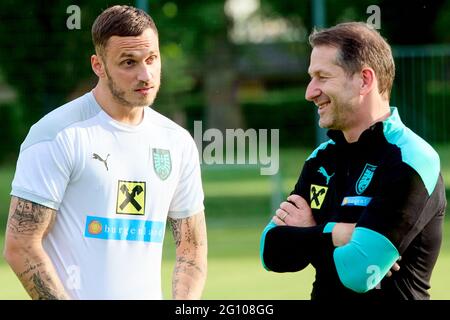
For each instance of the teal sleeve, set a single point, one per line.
(365, 260)
(262, 242)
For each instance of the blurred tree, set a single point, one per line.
(442, 25)
(200, 31)
(402, 22)
(39, 56)
(44, 60)
(412, 22)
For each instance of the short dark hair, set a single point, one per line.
(122, 21)
(359, 45)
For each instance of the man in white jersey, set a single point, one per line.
(97, 179)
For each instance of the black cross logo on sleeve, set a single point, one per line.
(130, 197)
(315, 195)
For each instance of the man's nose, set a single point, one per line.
(145, 74)
(312, 91)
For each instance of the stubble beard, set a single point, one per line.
(336, 117)
(119, 95)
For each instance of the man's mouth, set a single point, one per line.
(323, 105)
(144, 91)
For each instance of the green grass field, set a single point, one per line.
(238, 203)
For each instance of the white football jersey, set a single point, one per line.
(113, 186)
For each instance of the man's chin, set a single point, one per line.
(144, 102)
(324, 124)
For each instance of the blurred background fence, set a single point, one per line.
(422, 89)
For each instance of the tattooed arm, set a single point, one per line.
(28, 224)
(189, 275)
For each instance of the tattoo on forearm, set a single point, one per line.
(29, 223)
(29, 217)
(42, 290)
(184, 265)
(30, 268)
(190, 268)
(176, 230)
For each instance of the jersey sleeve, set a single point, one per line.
(188, 197)
(387, 227)
(289, 249)
(43, 170)
(303, 183)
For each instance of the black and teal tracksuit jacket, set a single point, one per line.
(389, 184)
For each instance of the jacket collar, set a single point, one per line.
(374, 133)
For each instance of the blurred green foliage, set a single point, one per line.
(47, 64)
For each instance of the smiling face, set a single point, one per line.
(132, 68)
(335, 93)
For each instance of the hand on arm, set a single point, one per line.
(189, 275)
(297, 213)
(28, 224)
(341, 235)
(294, 212)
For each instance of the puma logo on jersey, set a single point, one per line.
(325, 174)
(97, 157)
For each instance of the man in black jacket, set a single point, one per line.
(371, 194)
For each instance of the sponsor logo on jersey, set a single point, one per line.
(131, 197)
(317, 196)
(325, 174)
(124, 229)
(365, 178)
(94, 227)
(162, 164)
(358, 201)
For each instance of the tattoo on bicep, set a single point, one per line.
(29, 217)
(176, 230)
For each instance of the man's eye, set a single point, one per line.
(128, 62)
(151, 59)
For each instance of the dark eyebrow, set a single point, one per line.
(131, 55)
(318, 71)
(126, 55)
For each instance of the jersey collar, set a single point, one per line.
(375, 133)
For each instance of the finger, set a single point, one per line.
(280, 213)
(399, 258)
(288, 207)
(395, 267)
(297, 200)
(389, 274)
(278, 221)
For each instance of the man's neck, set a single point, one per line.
(378, 114)
(124, 114)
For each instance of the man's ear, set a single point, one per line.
(98, 65)
(368, 80)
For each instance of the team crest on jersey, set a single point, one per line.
(317, 196)
(131, 197)
(365, 178)
(162, 163)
